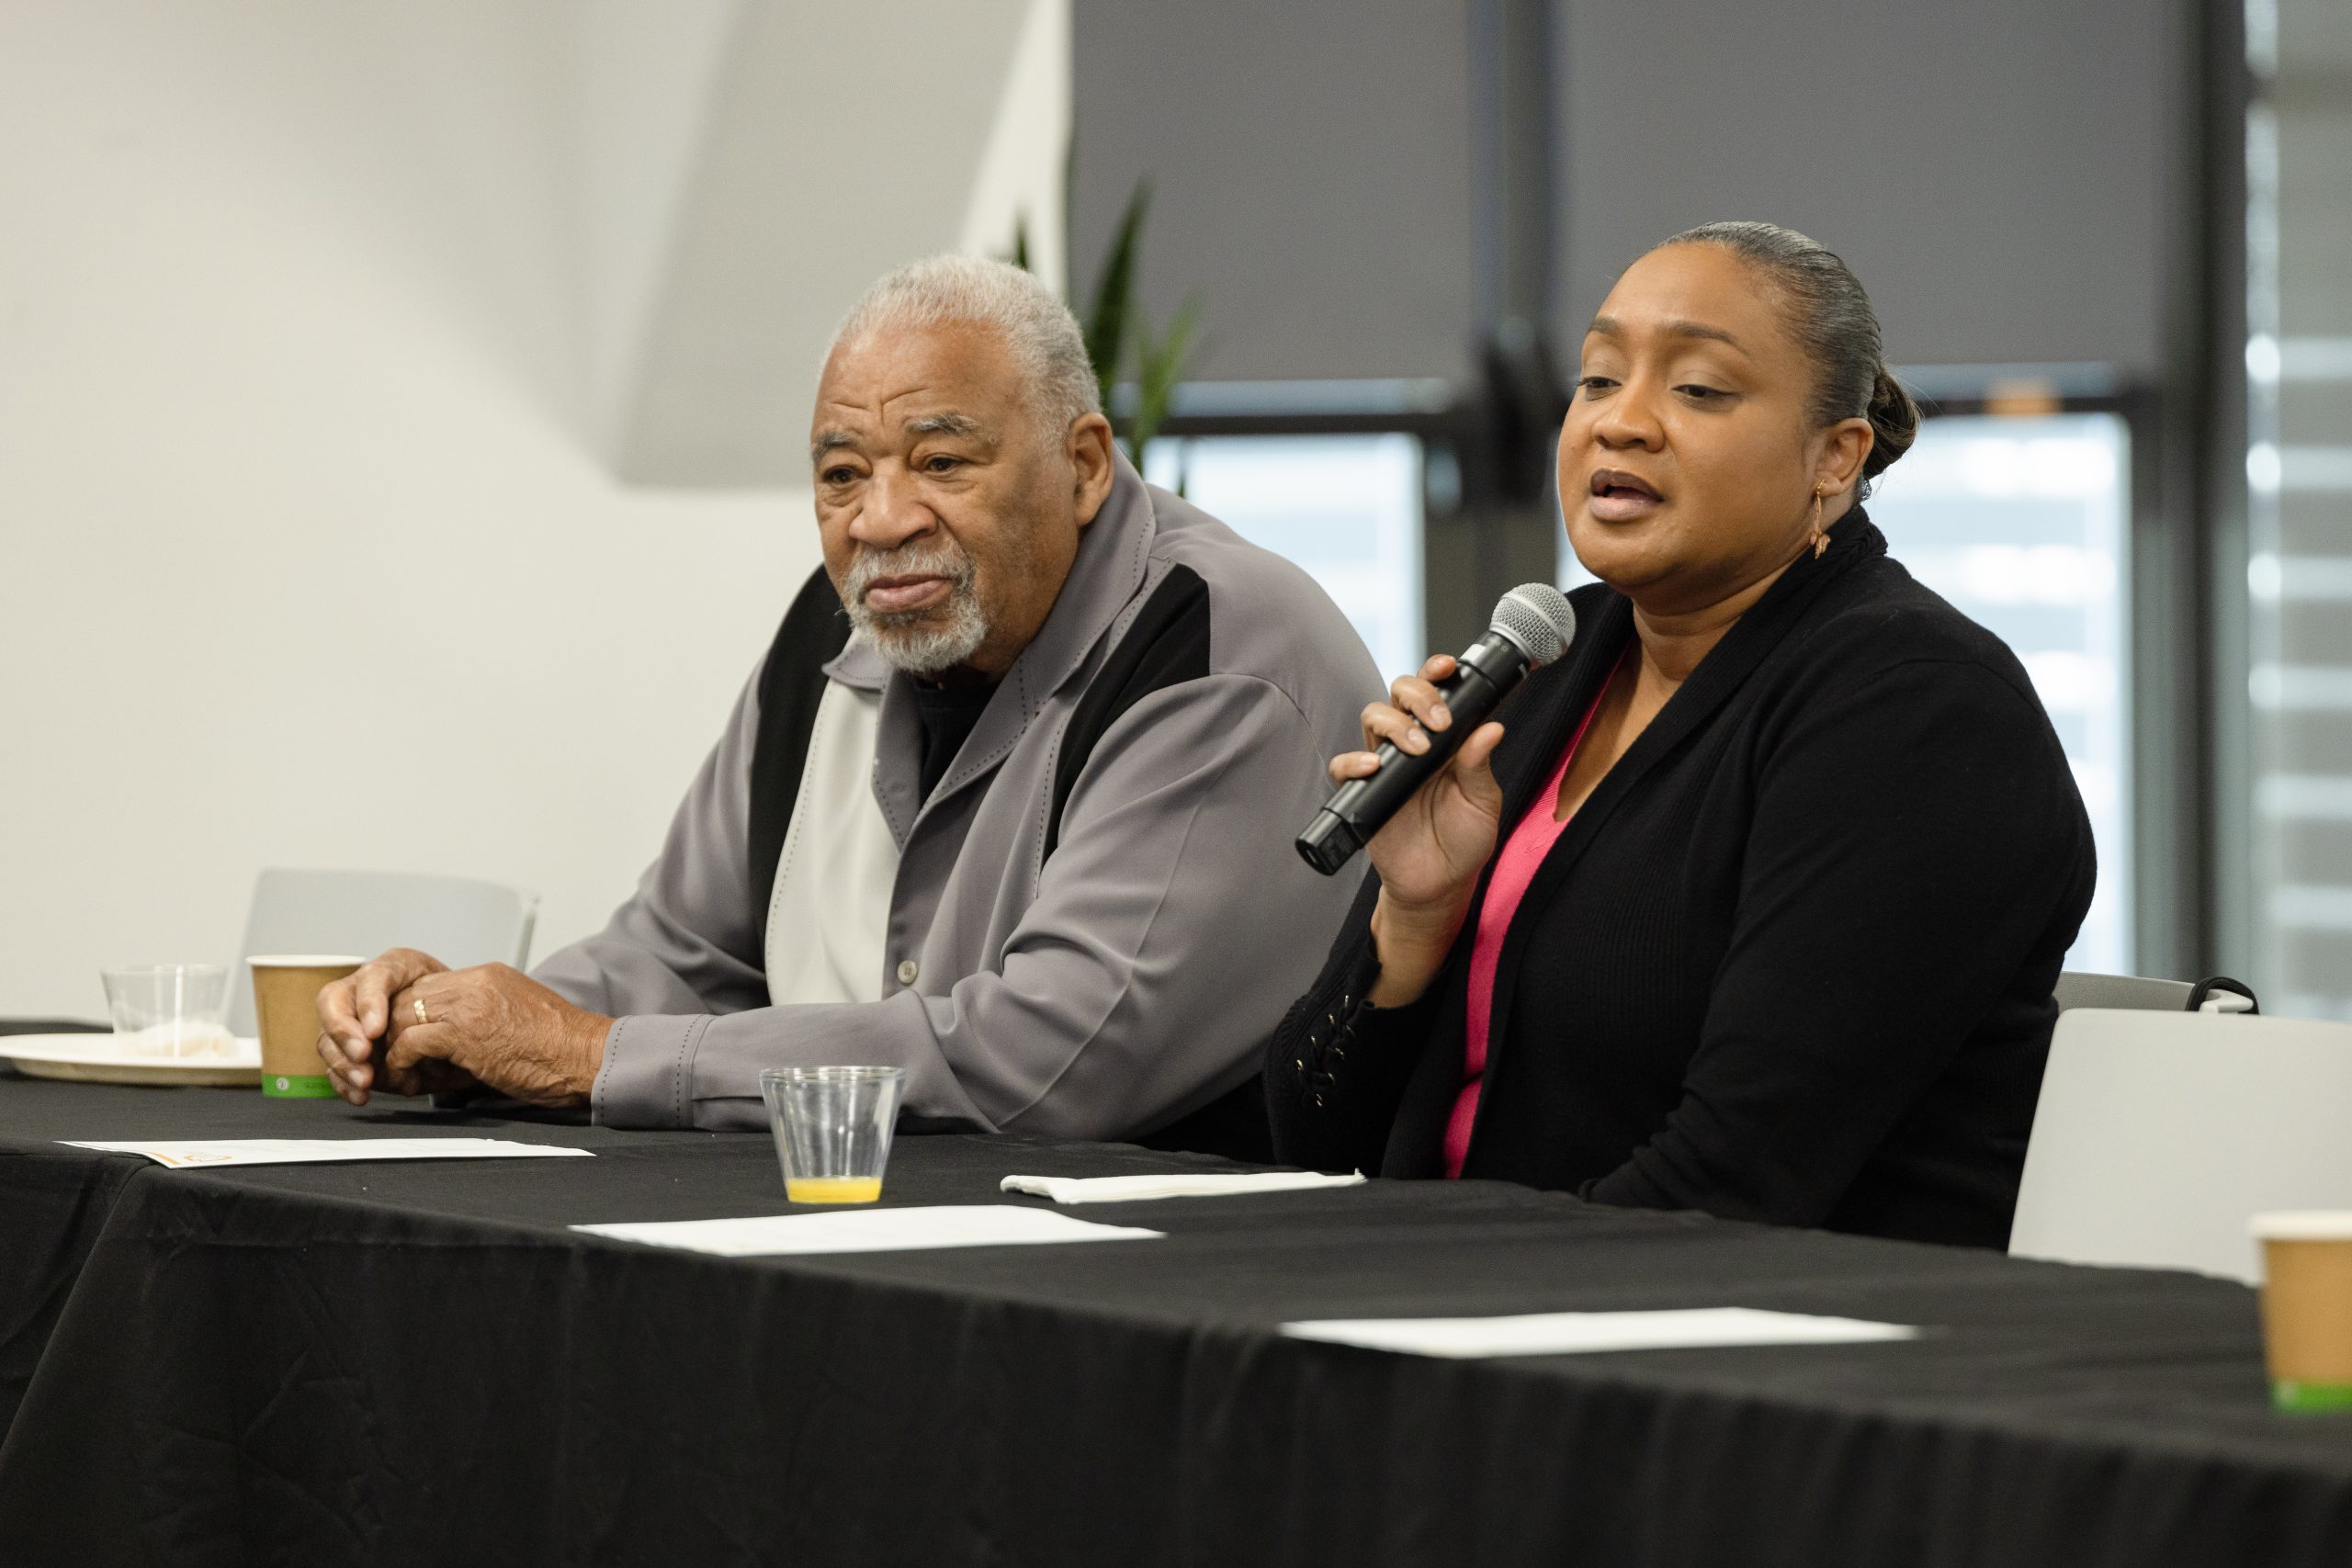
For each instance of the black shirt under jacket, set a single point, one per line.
(948, 714)
(1790, 962)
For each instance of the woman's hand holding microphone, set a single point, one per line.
(1430, 853)
(1431, 845)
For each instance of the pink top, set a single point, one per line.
(1515, 868)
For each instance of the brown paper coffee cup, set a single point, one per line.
(2307, 1307)
(286, 1006)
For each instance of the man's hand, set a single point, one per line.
(354, 1013)
(499, 1026)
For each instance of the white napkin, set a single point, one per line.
(871, 1230)
(1128, 1189)
(1570, 1332)
(183, 1153)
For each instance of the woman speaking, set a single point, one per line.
(1753, 901)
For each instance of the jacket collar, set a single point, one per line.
(1113, 555)
(859, 665)
(1569, 688)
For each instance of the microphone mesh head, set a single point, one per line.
(1536, 617)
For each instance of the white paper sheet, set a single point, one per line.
(872, 1230)
(1131, 1189)
(1574, 1333)
(183, 1153)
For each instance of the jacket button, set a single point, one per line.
(907, 970)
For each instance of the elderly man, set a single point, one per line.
(1008, 804)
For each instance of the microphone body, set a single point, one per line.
(1532, 626)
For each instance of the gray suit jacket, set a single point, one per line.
(1099, 904)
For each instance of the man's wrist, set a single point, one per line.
(590, 1032)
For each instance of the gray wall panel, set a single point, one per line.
(1311, 165)
(1998, 172)
(2001, 173)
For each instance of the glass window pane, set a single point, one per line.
(2020, 523)
(2299, 500)
(1346, 508)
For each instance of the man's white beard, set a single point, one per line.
(920, 642)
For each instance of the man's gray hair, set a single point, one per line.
(1030, 318)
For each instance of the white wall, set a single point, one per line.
(828, 150)
(305, 556)
(1024, 166)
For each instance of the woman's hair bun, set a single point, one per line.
(1895, 419)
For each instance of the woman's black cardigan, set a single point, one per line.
(1790, 962)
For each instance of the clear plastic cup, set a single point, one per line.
(833, 1129)
(174, 1010)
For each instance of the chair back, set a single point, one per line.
(456, 918)
(2081, 988)
(2159, 1135)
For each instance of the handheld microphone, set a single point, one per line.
(1532, 626)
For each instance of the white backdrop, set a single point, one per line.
(305, 556)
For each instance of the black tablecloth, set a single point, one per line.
(415, 1363)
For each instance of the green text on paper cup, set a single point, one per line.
(280, 1085)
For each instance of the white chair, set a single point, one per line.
(2158, 1135)
(456, 918)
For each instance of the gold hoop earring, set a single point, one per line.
(1820, 539)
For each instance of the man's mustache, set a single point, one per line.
(870, 566)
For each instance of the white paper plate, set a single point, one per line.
(95, 1059)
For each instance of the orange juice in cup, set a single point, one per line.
(831, 1189)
